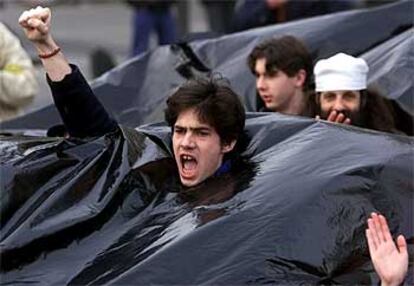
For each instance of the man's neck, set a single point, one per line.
(295, 105)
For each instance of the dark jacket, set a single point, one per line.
(255, 13)
(150, 4)
(81, 112)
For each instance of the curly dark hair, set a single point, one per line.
(214, 101)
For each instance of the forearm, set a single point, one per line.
(81, 112)
(57, 66)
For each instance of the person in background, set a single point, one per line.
(283, 70)
(257, 13)
(342, 95)
(219, 15)
(152, 16)
(18, 84)
(390, 260)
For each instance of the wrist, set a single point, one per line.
(46, 47)
(391, 283)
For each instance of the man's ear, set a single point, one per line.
(227, 147)
(300, 78)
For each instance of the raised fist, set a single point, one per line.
(36, 24)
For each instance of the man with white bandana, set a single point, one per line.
(342, 95)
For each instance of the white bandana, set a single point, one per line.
(341, 72)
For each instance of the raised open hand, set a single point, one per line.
(390, 261)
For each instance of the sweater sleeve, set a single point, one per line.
(81, 111)
(18, 84)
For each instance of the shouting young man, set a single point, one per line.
(206, 116)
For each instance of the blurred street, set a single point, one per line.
(82, 26)
(80, 29)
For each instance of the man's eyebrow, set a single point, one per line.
(272, 70)
(200, 128)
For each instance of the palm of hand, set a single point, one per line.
(389, 263)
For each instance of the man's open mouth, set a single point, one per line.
(188, 165)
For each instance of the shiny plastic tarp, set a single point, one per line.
(135, 92)
(111, 210)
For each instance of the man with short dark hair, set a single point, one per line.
(283, 70)
(206, 116)
(207, 119)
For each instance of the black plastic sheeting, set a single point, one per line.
(392, 68)
(135, 92)
(111, 210)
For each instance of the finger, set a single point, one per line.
(39, 13)
(402, 244)
(384, 228)
(49, 16)
(23, 18)
(38, 25)
(371, 243)
(373, 233)
(43, 13)
(347, 121)
(24, 24)
(378, 229)
(340, 118)
(332, 116)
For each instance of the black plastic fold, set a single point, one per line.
(111, 210)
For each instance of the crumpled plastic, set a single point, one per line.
(111, 210)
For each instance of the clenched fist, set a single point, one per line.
(36, 24)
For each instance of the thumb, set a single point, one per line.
(38, 25)
(402, 244)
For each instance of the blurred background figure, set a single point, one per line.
(152, 16)
(83, 27)
(219, 14)
(256, 13)
(18, 84)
